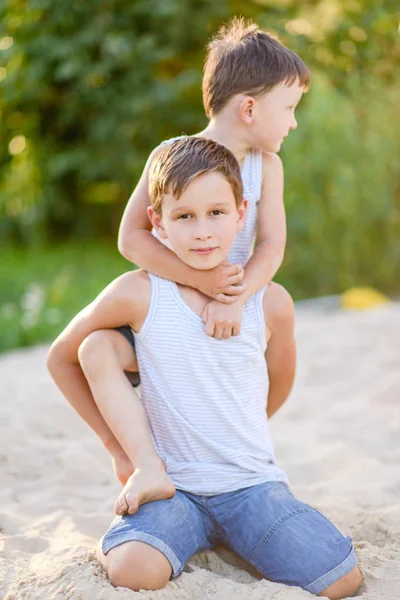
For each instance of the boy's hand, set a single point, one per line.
(222, 320)
(221, 283)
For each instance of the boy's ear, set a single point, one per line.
(246, 109)
(156, 221)
(242, 210)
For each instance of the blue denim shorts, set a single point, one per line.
(286, 540)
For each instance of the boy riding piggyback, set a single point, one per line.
(207, 401)
(251, 87)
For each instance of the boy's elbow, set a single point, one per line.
(122, 247)
(126, 245)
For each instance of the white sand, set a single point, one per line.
(338, 438)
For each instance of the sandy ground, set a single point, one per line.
(337, 437)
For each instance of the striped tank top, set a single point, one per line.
(205, 399)
(243, 244)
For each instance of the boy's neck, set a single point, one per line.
(225, 134)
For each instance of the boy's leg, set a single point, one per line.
(104, 356)
(288, 541)
(281, 349)
(137, 566)
(143, 551)
(126, 357)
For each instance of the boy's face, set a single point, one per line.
(201, 225)
(273, 116)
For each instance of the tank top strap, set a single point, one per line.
(162, 294)
(252, 175)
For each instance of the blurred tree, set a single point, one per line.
(89, 88)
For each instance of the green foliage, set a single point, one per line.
(42, 289)
(93, 87)
(87, 89)
(343, 194)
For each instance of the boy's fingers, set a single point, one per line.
(209, 328)
(225, 299)
(236, 330)
(204, 314)
(235, 279)
(236, 275)
(218, 331)
(230, 270)
(233, 290)
(227, 332)
(237, 269)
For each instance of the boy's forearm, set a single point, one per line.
(261, 268)
(150, 254)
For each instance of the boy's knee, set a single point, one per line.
(137, 568)
(344, 587)
(93, 351)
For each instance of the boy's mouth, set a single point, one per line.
(204, 251)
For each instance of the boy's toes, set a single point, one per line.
(133, 503)
(121, 506)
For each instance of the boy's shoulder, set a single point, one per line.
(129, 294)
(132, 285)
(271, 164)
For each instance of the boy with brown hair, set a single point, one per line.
(206, 400)
(252, 85)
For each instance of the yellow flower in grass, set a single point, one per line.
(360, 298)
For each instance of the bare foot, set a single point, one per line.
(122, 466)
(144, 485)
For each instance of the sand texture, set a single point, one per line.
(338, 437)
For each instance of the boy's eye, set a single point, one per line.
(185, 216)
(217, 212)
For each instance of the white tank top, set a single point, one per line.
(205, 399)
(243, 244)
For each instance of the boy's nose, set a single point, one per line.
(293, 124)
(202, 232)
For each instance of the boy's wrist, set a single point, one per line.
(244, 296)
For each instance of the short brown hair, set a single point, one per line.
(179, 163)
(243, 59)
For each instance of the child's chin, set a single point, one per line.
(206, 263)
(204, 266)
(277, 147)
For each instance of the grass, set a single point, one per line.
(42, 289)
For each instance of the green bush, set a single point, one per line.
(342, 191)
(41, 290)
(87, 89)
